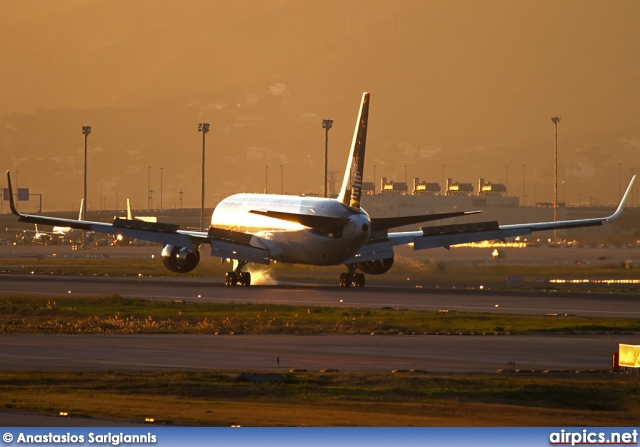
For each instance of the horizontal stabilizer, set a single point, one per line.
(384, 223)
(322, 223)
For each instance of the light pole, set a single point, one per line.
(86, 130)
(555, 120)
(204, 128)
(326, 124)
(281, 181)
(374, 179)
(506, 187)
(406, 178)
(148, 187)
(180, 197)
(523, 193)
(619, 190)
(161, 188)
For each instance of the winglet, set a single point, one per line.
(623, 201)
(12, 203)
(352, 182)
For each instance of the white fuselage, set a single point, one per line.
(292, 242)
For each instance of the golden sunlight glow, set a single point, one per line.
(595, 281)
(492, 244)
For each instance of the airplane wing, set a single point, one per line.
(225, 244)
(154, 232)
(324, 223)
(385, 223)
(448, 235)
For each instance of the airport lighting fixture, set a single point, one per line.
(506, 186)
(161, 169)
(86, 130)
(406, 178)
(326, 124)
(523, 193)
(619, 190)
(204, 128)
(374, 179)
(555, 120)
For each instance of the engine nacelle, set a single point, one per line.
(179, 259)
(377, 267)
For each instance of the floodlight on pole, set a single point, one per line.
(523, 190)
(619, 190)
(374, 179)
(555, 120)
(86, 130)
(506, 186)
(406, 178)
(326, 124)
(204, 128)
(161, 169)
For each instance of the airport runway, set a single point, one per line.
(461, 354)
(618, 305)
(258, 353)
(345, 352)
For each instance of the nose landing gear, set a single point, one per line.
(352, 277)
(237, 276)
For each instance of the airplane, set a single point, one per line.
(261, 228)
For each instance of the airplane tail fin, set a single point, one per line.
(80, 216)
(352, 183)
(129, 210)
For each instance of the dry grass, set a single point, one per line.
(337, 399)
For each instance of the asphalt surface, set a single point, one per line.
(619, 305)
(459, 354)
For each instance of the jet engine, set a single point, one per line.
(376, 267)
(179, 259)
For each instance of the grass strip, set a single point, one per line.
(329, 399)
(120, 315)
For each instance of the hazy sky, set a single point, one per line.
(465, 84)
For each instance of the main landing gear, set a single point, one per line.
(351, 277)
(237, 276)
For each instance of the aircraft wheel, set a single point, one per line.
(230, 279)
(343, 280)
(359, 280)
(245, 279)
